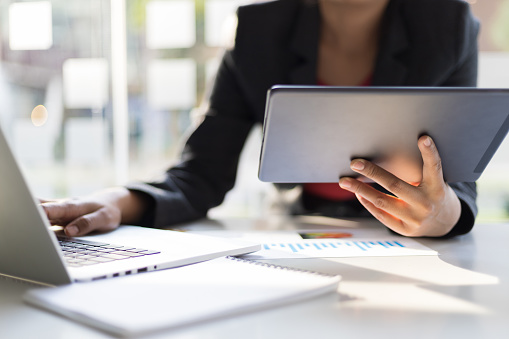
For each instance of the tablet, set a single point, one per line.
(311, 133)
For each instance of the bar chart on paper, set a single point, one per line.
(315, 243)
(336, 248)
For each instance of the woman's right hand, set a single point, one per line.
(102, 211)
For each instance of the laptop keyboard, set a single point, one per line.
(79, 252)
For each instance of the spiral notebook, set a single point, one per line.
(145, 303)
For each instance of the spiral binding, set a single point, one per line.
(284, 268)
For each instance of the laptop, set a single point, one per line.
(312, 133)
(30, 250)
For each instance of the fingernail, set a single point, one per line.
(427, 142)
(345, 183)
(358, 165)
(71, 230)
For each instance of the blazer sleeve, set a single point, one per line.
(208, 164)
(465, 75)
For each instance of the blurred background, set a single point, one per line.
(95, 93)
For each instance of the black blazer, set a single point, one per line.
(423, 43)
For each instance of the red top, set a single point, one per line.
(332, 191)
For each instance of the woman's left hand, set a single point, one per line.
(431, 208)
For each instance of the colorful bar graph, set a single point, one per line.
(347, 248)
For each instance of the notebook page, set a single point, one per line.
(143, 303)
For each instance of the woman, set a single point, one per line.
(329, 42)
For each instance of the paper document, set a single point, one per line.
(324, 244)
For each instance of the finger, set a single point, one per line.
(432, 163)
(379, 200)
(100, 220)
(44, 201)
(67, 211)
(392, 222)
(385, 179)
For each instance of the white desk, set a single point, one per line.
(464, 293)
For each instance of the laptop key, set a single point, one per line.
(106, 250)
(128, 254)
(115, 256)
(81, 241)
(148, 252)
(101, 259)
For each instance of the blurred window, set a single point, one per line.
(57, 91)
(493, 186)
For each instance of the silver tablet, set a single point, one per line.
(311, 133)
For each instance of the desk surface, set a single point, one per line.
(462, 293)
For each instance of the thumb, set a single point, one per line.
(432, 163)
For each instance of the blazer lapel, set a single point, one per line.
(304, 44)
(390, 70)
